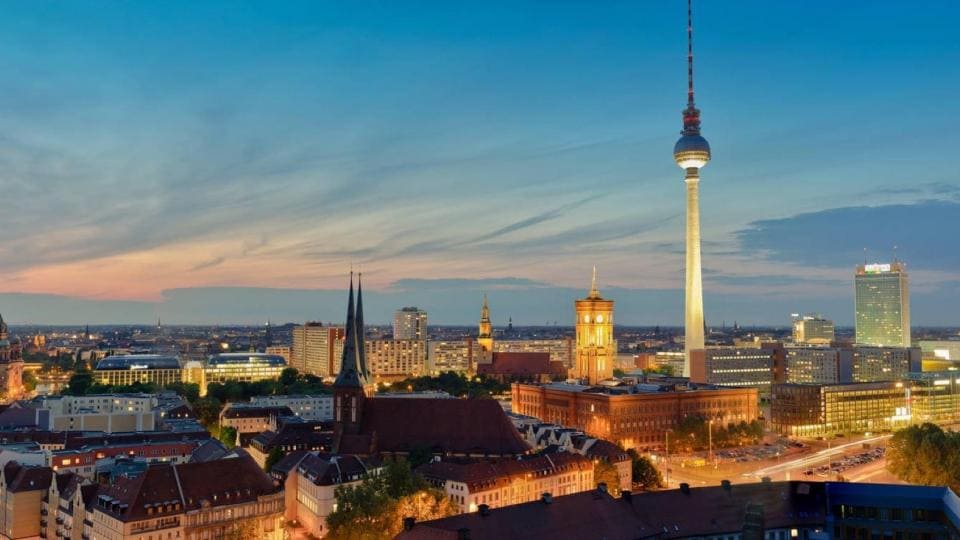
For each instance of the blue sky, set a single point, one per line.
(152, 154)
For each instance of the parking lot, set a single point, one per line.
(846, 463)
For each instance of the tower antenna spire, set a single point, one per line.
(690, 54)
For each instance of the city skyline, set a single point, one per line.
(150, 173)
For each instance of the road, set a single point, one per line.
(793, 467)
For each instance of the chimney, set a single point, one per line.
(626, 495)
(726, 485)
(546, 498)
(408, 523)
(602, 487)
(685, 488)
(484, 510)
(463, 533)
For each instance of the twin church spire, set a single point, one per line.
(353, 365)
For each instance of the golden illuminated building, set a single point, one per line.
(596, 350)
(637, 416)
(485, 335)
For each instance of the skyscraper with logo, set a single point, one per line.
(882, 305)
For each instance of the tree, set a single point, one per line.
(925, 454)
(274, 457)
(189, 391)
(644, 472)
(80, 383)
(375, 508)
(208, 410)
(29, 381)
(228, 436)
(288, 377)
(605, 473)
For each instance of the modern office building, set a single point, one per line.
(756, 368)
(808, 410)
(391, 359)
(813, 330)
(885, 363)
(455, 355)
(882, 305)
(249, 367)
(596, 349)
(316, 349)
(126, 369)
(410, 323)
(820, 365)
(636, 416)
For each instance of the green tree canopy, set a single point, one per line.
(644, 472)
(925, 454)
(606, 473)
(375, 508)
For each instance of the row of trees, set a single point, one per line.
(63, 362)
(693, 434)
(925, 454)
(454, 383)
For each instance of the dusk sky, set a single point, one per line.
(228, 162)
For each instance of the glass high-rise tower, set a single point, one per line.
(882, 305)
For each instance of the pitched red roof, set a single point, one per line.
(26, 478)
(165, 489)
(704, 512)
(521, 364)
(454, 426)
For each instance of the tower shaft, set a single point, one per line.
(694, 281)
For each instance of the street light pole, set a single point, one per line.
(668, 458)
(710, 440)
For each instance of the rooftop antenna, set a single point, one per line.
(864, 256)
(894, 254)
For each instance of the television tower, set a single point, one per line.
(691, 153)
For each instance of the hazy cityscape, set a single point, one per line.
(304, 271)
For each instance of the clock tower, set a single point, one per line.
(596, 350)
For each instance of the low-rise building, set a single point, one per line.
(249, 367)
(22, 489)
(99, 412)
(252, 418)
(511, 481)
(761, 511)
(290, 437)
(529, 367)
(309, 490)
(319, 407)
(226, 498)
(808, 410)
(635, 416)
(126, 369)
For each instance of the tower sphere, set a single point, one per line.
(691, 151)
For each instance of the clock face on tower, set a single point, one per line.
(586, 318)
(599, 318)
